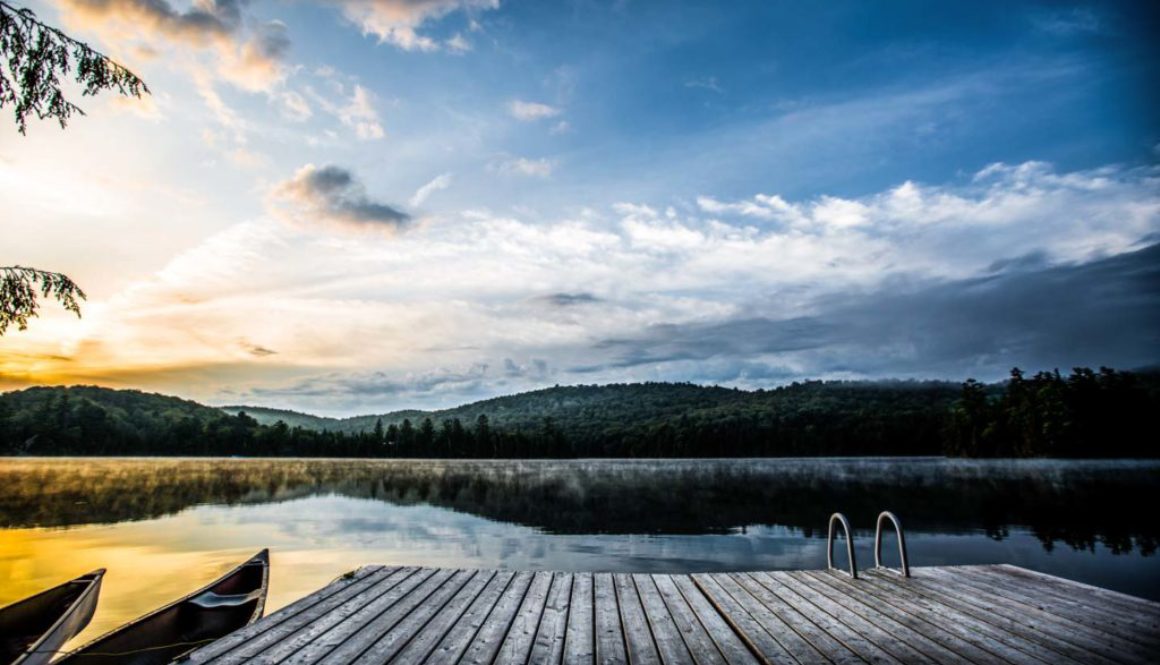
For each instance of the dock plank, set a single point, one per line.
(892, 644)
(830, 646)
(638, 638)
(302, 635)
(1070, 610)
(521, 634)
(392, 641)
(548, 645)
(274, 626)
(724, 636)
(1106, 596)
(1029, 619)
(425, 642)
(610, 645)
(452, 645)
(739, 606)
(488, 640)
(702, 649)
(668, 638)
(348, 641)
(942, 614)
(845, 634)
(580, 639)
(936, 643)
(963, 620)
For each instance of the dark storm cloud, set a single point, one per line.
(380, 384)
(256, 350)
(1106, 312)
(332, 193)
(735, 338)
(569, 299)
(536, 368)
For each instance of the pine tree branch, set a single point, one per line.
(19, 300)
(33, 57)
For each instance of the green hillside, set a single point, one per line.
(1086, 414)
(266, 416)
(611, 416)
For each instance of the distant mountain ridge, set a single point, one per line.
(628, 401)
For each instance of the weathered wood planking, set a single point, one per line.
(953, 614)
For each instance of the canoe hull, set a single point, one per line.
(233, 601)
(33, 630)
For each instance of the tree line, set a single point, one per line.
(1089, 413)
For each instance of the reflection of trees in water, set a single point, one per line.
(1078, 504)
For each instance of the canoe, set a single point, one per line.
(234, 600)
(33, 629)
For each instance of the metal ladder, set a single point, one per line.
(839, 518)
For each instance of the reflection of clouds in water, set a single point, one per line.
(336, 515)
(428, 535)
(369, 530)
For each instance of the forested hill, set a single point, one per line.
(590, 411)
(1086, 414)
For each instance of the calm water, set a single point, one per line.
(165, 526)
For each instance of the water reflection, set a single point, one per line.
(1077, 504)
(163, 527)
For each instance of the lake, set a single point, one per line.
(166, 526)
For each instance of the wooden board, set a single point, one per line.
(965, 614)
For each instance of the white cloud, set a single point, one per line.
(458, 44)
(706, 83)
(473, 290)
(530, 167)
(357, 108)
(239, 49)
(1068, 22)
(399, 22)
(295, 107)
(360, 114)
(530, 111)
(538, 168)
(442, 181)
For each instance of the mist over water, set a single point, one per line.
(163, 526)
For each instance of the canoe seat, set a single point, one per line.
(210, 600)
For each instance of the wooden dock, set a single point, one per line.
(959, 614)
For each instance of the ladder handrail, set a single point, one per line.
(839, 517)
(887, 515)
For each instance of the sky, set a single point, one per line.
(357, 206)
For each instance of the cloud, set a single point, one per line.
(441, 181)
(537, 168)
(569, 299)
(1065, 23)
(531, 111)
(458, 44)
(256, 350)
(399, 22)
(360, 115)
(357, 110)
(1102, 312)
(706, 83)
(377, 385)
(295, 107)
(536, 369)
(331, 194)
(1018, 264)
(246, 53)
